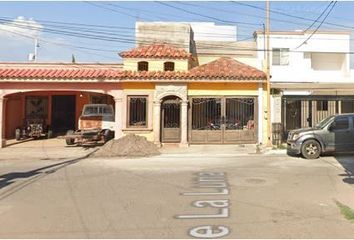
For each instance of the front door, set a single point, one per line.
(170, 120)
(223, 120)
(63, 113)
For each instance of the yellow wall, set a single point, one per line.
(138, 86)
(265, 121)
(228, 89)
(155, 64)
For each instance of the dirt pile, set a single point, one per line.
(128, 146)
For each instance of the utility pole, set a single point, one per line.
(35, 49)
(267, 27)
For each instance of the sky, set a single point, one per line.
(50, 22)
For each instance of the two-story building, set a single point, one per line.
(310, 76)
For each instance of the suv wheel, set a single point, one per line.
(311, 149)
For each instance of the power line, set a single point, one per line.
(62, 44)
(317, 19)
(93, 28)
(318, 27)
(292, 16)
(202, 46)
(81, 28)
(112, 10)
(239, 13)
(206, 16)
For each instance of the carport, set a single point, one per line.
(56, 94)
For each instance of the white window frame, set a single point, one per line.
(283, 56)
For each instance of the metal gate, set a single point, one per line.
(223, 120)
(170, 120)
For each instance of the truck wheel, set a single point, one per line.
(311, 149)
(70, 141)
(107, 135)
(49, 134)
(18, 134)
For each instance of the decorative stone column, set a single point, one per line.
(2, 122)
(260, 113)
(156, 121)
(118, 117)
(184, 125)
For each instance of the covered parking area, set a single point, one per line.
(56, 95)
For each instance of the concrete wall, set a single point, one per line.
(155, 64)
(208, 31)
(244, 52)
(177, 34)
(313, 61)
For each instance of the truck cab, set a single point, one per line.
(333, 134)
(96, 116)
(96, 123)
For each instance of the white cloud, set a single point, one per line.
(17, 38)
(17, 42)
(21, 27)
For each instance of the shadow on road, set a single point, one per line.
(12, 177)
(347, 162)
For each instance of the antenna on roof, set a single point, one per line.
(33, 56)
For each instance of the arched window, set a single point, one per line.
(143, 66)
(169, 66)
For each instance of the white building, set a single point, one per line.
(310, 75)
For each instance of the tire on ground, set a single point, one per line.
(107, 135)
(311, 149)
(70, 141)
(18, 134)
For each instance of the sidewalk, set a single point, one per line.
(56, 149)
(218, 150)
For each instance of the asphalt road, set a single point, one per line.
(177, 196)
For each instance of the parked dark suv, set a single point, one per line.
(333, 134)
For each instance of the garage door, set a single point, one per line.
(223, 120)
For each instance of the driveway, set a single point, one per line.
(43, 149)
(175, 196)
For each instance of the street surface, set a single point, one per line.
(259, 196)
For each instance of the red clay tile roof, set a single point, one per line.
(60, 73)
(222, 69)
(159, 50)
(226, 68)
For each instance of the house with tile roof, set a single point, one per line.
(158, 92)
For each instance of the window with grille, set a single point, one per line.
(280, 56)
(143, 66)
(169, 66)
(137, 111)
(322, 105)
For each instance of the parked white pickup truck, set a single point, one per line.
(96, 123)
